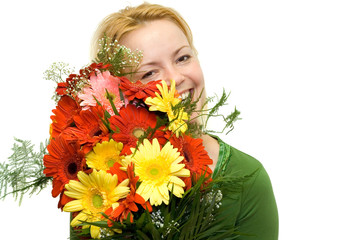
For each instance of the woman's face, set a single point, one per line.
(167, 56)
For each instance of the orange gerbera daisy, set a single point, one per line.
(131, 124)
(138, 89)
(64, 161)
(120, 211)
(64, 112)
(89, 130)
(196, 158)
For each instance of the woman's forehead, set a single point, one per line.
(155, 35)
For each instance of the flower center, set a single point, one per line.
(154, 171)
(188, 157)
(110, 96)
(72, 168)
(96, 131)
(157, 173)
(110, 162)
(138, 132)
(97, 201)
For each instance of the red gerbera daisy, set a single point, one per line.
(131, 124)
(86, 72)
(64, 112)
(196, 158)
(62, 88)
(64, 161)
(138, 90)
(127, 205)
(89, 130)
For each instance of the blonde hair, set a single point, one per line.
(118, 24)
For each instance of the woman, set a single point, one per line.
(169, 54)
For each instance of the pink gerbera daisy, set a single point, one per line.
(102, 87)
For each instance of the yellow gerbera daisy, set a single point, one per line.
(177, 123)
(104, 155)
(94, 193)
(159, 171)
(164, 102)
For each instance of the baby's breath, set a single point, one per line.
(157, 218)
(57, 73)
(79, 84)
(123, 60)
(105, 233)
(213, 195)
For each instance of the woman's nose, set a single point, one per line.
(174, 74)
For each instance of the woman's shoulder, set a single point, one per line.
(234, 161)
(243, 161)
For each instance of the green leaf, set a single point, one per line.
(121, 96)
(142, 235)
(109, 97)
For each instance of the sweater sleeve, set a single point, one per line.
(258, 214)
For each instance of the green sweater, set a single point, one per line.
(250, 206)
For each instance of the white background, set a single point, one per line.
(293, 71)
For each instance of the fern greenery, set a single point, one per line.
(23, 173)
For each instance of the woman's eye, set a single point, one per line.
(148, 74)
(183, 58)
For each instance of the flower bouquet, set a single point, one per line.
(124, 157)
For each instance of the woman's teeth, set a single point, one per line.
(185, 95)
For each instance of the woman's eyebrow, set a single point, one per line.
(151, 63)
(180, 48)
